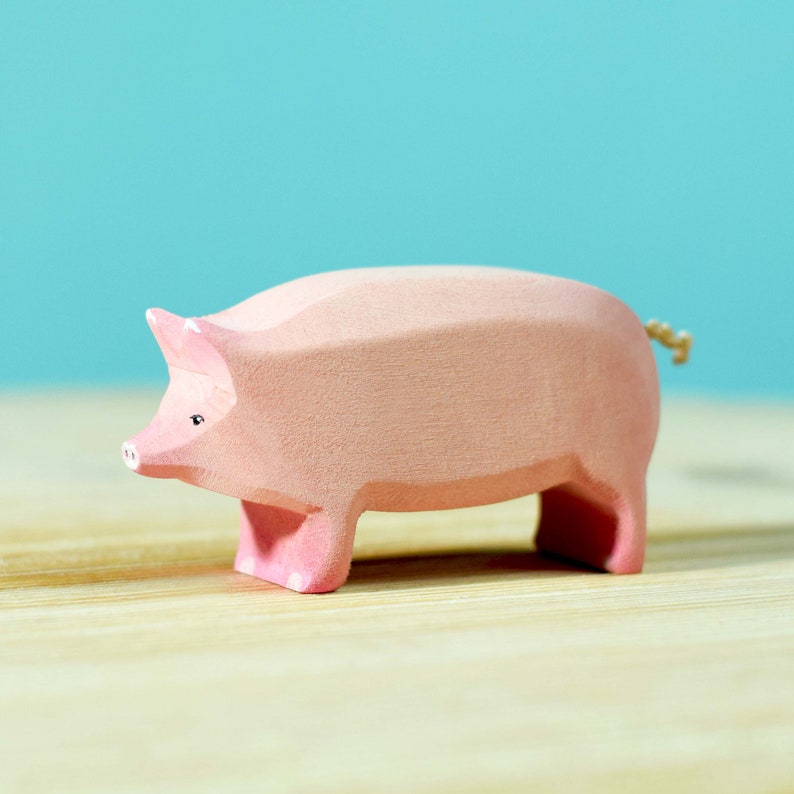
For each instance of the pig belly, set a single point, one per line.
(488, 489)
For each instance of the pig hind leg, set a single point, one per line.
(308, 553)
(592, 523)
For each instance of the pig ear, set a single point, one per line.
(191, 343)
(165, 327)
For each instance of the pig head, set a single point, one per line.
(212, 428)
(182, 441)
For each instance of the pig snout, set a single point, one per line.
(130, 455)
(150, 457)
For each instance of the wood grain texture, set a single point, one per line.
(454, 659)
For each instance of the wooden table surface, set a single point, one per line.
(132, 658)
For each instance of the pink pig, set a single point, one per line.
(409, 388)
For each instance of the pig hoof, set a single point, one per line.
(295, 582)
(246, 565)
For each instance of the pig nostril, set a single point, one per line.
(130, 455)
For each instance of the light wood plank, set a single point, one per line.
(133, 659)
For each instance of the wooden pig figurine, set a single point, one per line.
(409, 388)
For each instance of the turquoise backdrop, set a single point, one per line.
(187, 155)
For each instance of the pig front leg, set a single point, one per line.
(309, 553)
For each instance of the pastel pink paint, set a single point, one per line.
(409, 388)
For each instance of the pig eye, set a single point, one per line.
(197, 419)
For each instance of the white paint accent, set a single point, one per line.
(150, 318)
(295, 581)
(247, 566)
(190, 325)
(130, 455)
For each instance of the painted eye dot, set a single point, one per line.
(197, 419)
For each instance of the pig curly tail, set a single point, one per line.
(680, 342)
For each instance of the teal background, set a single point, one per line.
(188, 155)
